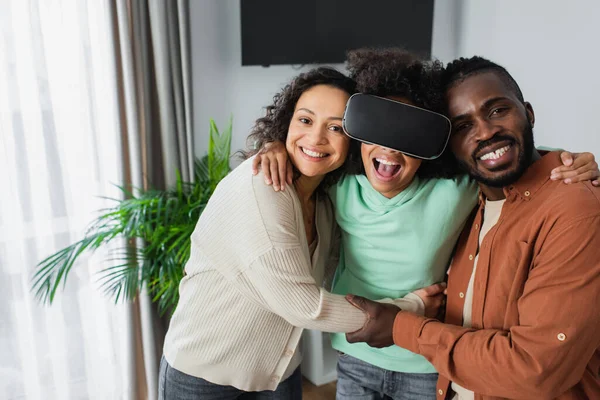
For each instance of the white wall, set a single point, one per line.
(552, 50)
(221, 86)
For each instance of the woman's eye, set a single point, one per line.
(335, 128)
(304, 120)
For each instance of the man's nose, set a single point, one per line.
(486, 129)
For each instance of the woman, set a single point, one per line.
(257, 255)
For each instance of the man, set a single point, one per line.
(524, 285)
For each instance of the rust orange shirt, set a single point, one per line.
(536, 300)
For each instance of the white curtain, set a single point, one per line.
(60, 150)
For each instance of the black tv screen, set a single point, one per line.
(322, 31)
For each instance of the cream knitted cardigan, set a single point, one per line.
(250, 287)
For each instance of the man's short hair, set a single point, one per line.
(462, 68)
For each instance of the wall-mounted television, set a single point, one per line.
(322, 31)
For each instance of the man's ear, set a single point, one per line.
(529, 112)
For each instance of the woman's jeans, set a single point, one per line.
(358, 380)
(175, 385)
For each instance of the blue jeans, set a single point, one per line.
(358, 380)
(175, 385)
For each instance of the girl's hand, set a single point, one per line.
(577, 167)
(434, 298)
(275, 164)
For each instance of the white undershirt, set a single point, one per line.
(491, 214)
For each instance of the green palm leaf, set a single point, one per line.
(156, 226)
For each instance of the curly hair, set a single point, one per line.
(275, 124)
(397, 72)
(460, 69)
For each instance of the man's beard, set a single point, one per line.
(523, 160)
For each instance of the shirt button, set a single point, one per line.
(275, 378)
(476, 226)
(561, 336)
(441, 392)
(289, 353)
(461, 295)
(527, 193)
(471, 257)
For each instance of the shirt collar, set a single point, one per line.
(532, 180)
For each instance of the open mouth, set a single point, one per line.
(313, 154)
(386, 170)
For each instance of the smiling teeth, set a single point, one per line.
(385, 162)
(494, 155)
(313, 153)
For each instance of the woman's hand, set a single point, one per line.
(275, 164)
(577, 167)
(433, 297)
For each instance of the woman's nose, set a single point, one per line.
(318, 136)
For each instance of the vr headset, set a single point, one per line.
(411, 130)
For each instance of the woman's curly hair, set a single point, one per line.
(275, 124)
(397, 72)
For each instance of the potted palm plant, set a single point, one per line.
(156, 226)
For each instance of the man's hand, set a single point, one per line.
(378, 330)
(577, 167)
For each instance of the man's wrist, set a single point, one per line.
(407, 327)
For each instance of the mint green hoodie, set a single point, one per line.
(391, 247)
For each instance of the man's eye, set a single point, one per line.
(460, 128)
(499, 110)
(304, 120)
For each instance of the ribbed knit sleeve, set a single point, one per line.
(255, 238)
(411, 302)
(280, 279)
